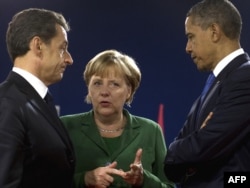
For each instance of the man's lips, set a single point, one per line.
(63, 69)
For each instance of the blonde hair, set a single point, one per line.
(123, 64)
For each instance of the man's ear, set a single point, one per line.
(36, 45)
(215, 32)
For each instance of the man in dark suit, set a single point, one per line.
(35, 150)
(200, 155)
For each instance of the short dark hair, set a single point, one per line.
(29, 23)
(222, 12)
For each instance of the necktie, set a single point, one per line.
(209, 82)
(49, 100)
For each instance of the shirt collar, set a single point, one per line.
(226, 60)
(36, 83)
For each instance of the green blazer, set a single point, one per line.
(92, 152)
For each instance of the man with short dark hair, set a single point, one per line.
(35, 149)
(202, 152)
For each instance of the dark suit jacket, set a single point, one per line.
(199, 157)
(35, 150)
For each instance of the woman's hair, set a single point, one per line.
(29, 23)
(123, 65)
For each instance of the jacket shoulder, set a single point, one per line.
(143, 121)
(75, 119)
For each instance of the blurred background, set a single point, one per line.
(151, 31)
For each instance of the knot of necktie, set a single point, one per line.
(49, 100)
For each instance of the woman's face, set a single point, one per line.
(109, 93)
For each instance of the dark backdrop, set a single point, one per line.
(151, 31)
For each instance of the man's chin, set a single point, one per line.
(202, 68)
(58, 78)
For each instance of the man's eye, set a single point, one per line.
(190, 37)
(62, 51)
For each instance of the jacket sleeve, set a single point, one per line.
(79, 180)
(157, 178)
(226, 134)
(11, 144)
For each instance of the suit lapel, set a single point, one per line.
(90, 130)
(131, 131)
(234, 64)
(52, 118)
(205, 102)
(40, 105)
(129, 135)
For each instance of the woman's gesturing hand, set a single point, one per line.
(135, 175)
(102, 176)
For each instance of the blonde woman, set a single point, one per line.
(113, 147)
